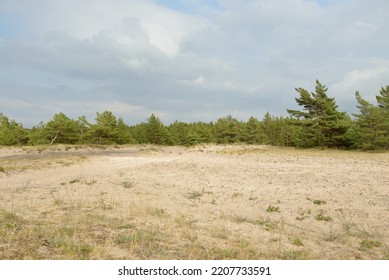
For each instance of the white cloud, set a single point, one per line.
(86, 19)
(367, 81)
(136, 57)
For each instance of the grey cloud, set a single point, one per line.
(239, 58)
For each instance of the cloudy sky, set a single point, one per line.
(188, 60)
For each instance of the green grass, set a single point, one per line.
(158, 212)
(369, 244)
(127, 184)
(322, 217)
(195, 194)
(272, 209)
(296, 241)
(319, 202)
(292, 255)
(69, 246)
(9, 220)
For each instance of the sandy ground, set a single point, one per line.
(272, 202)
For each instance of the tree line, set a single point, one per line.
(318, 123)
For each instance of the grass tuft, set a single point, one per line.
(273, 209)
(296, 241)
(195, 194)
(319, 202)
(322, 217)
(127, 184)
(369, 244)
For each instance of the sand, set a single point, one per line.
(207, 201)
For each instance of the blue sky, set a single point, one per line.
(189, 60)
(189, 6)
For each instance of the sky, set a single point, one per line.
(186, 60)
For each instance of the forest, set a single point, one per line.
(318, 123)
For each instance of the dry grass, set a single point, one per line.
(239, 204)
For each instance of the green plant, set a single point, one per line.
(106, 205)
(303, 214)
(73, 249)
(159, 212)
(123, 239)
(185, 221)
(236, 194)
(9, 219)
(367, 244)
(330, 235)
(137, 237)
(293, 255)
(319, 202)
(127, 226)
(195, 194)
(322, 217)
(66, 230)
(58, 201)
(90, 183)
(127, 184)
(2, 169)
(296, 241)
(272, 209)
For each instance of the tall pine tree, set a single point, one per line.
(373, 122)
(323, 124)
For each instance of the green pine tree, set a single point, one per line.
(157, 133)
(228, 130)
(323, 124)
(123, 134)
(254, 134)
(104, 131)
(372, 123)
(61, 129)
(11, 132)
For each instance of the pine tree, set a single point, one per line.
(139, 133)
(323, 124)
(83, 129)
(253, 133)
(383, 104)
(36, 135)
(11, 132)
(123, 134)
(104, 131)
(372, 123)
(383, 98)
(268, 127)
(157, 132)
(179, 132)
(228, 130)
(61, 129)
